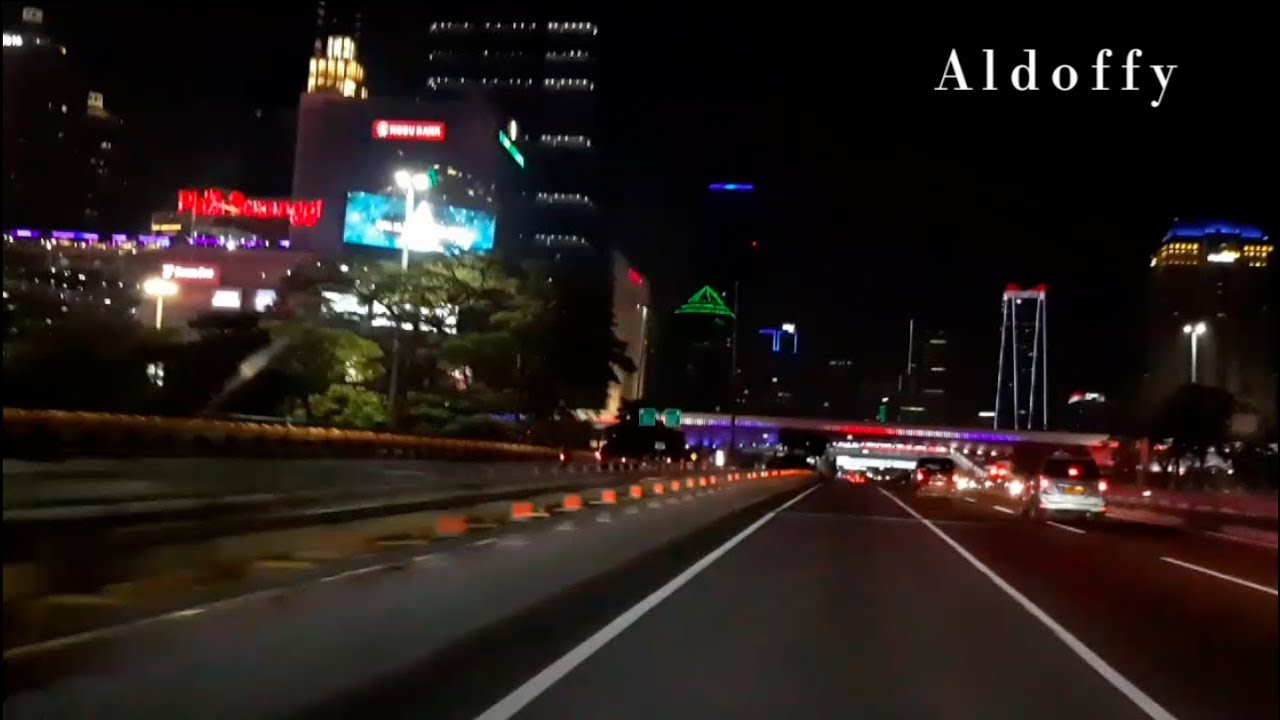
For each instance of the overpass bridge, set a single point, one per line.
(706, 428)
(858, 443)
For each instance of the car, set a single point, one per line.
(935, 476)
(1066, 487)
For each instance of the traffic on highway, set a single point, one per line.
(778, 595)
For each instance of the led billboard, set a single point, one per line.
(377, 220)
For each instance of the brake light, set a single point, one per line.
(920, 475)
(1103, 485)
(1044, 483)
(1073, 471)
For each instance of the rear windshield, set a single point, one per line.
(1084, 469)
(936, 464)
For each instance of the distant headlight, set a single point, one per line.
(1016, 487)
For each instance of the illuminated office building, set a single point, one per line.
(542, 75)
(1219, 274)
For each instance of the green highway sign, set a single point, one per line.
(648, 417)
(671, 417)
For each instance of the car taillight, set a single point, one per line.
(1044, 483)
(920, 475)
(1103, 485)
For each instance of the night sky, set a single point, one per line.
(880, 198)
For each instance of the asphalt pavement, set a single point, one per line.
(846, 604)
(831, 601)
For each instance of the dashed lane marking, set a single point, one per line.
(1135, 694)
(1220, 575)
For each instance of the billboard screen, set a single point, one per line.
(377, 220)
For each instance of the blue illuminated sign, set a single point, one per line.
(732, 187)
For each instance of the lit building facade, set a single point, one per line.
(86, 269)
(542, 77)
(1219, 274)
(632, 307)
(349, 153)
(63, 150)
(337, 70)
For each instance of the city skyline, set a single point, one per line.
(977, 235)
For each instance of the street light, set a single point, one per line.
(409, 182)
(159, 288)
(1195, 331)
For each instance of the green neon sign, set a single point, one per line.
(705, 302)
(510, 148)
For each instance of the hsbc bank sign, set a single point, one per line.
(415, 130)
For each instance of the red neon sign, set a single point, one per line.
(213, 203)
(419, 130)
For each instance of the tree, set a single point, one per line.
(346, 405)
(1194, 418)
(457, 312)
(313, 358)
(573, 350)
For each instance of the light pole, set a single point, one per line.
(159, 289)
(408, 182)
(1195, 331)
(733, 378)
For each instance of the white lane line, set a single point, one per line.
(1148, 705)
(1068, 528)
(1245, 540)
(969, 499)
(1220, 576)
(513, 703)
(1004, 509)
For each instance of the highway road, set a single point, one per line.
(829, 601)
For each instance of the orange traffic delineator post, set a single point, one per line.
(636, 492)
(675, 485)
(571, 503)
(522, 510)
(451, 525)
(659, 488)
(608, 497)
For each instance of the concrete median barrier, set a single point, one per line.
(40, 601)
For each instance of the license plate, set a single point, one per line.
(1075, 490)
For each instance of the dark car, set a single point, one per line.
(935, 476)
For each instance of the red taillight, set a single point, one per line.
(1103, 485)
(1044, 483)
(1073, 471)
(920, 475)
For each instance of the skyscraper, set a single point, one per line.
(1022, 388)
(1219, 274)
(542, 75)
(925, 385)
(62, 148)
